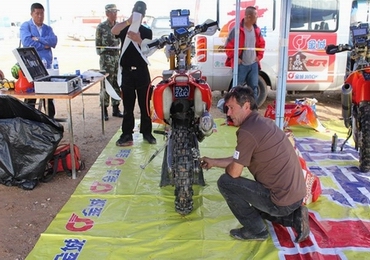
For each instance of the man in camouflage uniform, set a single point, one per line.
(107, 47)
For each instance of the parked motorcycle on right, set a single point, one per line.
(355, 97)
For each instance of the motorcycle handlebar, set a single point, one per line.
(149, 46)
(201, 28)
(160, 42)
(207, 25)
(333, 49)
(153, 44)
(204, 27)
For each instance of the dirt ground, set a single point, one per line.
(24, 214)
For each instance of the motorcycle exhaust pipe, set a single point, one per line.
(346, 99)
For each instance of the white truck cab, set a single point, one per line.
(313, 25)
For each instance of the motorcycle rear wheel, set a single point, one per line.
(364, 147)
(183, 171)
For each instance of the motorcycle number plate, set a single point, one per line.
(181, 91)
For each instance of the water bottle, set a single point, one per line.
(334, 142)
(55, 66)
(55, 63)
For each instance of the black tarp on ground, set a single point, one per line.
(28, 139)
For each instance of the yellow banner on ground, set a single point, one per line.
(118, 211)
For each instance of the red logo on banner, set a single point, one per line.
(98, 187)
(114, 161)
(290, 75)
(77, 224)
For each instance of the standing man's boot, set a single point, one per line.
(105, 111)
(116, 111)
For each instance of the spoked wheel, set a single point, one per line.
(183, 171)
(364, 136)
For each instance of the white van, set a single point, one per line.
(313, 25)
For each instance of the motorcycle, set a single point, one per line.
(182, 101)
(355, 97)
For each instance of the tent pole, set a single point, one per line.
(286, 6)
(236, 45)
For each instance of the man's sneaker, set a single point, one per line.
(149, 138)
(301, 223)
(125, 140)
(243, 234)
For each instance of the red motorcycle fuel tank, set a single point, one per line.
(360, 82)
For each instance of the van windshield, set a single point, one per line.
(314, 15)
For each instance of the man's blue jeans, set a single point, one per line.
(249, 74)
(250, 202)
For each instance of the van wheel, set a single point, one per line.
(262, 91)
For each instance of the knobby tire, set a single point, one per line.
(183, 169)
(364, 149)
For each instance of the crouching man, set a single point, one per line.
(278, 188)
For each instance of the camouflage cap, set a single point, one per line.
(111, 7)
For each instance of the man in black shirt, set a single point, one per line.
(135, 78)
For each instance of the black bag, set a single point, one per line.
(28, 139)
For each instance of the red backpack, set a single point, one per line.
(61, 161)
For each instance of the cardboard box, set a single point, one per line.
(32, 67)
